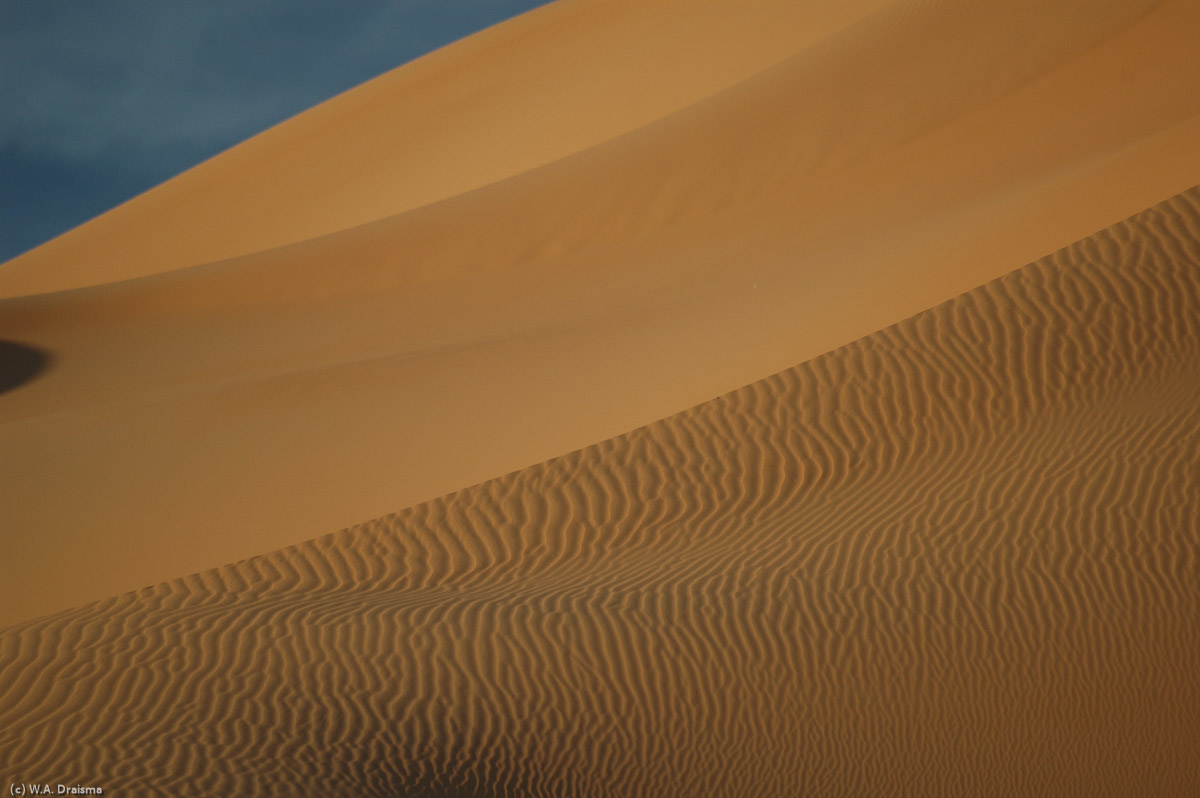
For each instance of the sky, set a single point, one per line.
(101, 100)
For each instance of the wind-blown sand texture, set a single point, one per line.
(956, 557)
(955, 551)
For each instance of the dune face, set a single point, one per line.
(575, 224)
(956, 557)
(488, 299)
(552, 83)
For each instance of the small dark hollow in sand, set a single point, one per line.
(20, 363)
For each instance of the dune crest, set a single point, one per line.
(375, 348)
(545, 85)
(955, 557)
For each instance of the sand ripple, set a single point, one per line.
(957, 557)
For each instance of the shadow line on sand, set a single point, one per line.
(20, 364)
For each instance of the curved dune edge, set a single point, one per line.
(213, 413)
(956, 557)
(537, 88)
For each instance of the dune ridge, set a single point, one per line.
(543, 86)
(957, 556)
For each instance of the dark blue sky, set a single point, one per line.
(100, 101)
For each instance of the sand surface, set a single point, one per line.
(535, 303)
(956, 557)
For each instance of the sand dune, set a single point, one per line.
(384, 334)
(535, 304)
(955, 557)
(548, 84)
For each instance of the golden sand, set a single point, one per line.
(955, 551)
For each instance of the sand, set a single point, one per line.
(956, 557)
(953, 552)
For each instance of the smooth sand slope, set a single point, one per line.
(587, 219)
(959, 556)
(556, 81)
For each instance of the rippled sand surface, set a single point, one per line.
(756, 398)
(956, 557)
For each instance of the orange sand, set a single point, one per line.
(951, 553)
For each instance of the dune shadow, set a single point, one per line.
(20, 363)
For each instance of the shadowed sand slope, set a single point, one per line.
(19, 364)
(488, 258)
(957, 557)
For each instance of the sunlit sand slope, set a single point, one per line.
(760, 209)
(543, 86)
(957, 557)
